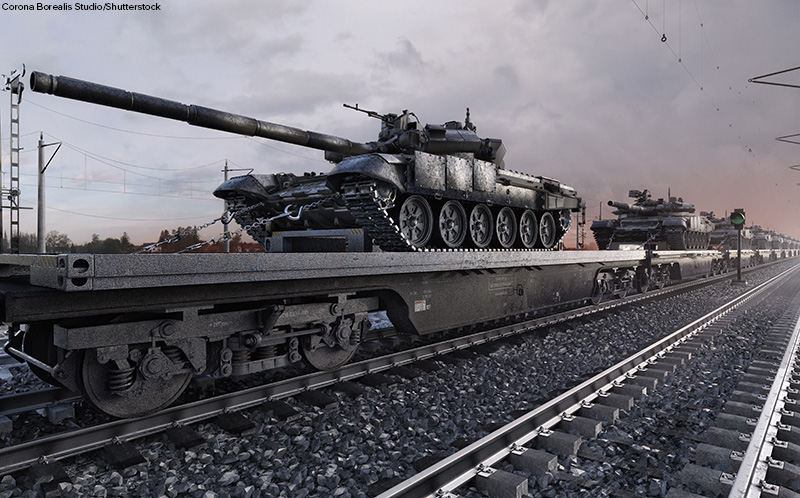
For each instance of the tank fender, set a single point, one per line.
(389, 168)
(675, 222)
(256, 186)
(604, 224)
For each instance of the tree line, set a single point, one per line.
(174, 240)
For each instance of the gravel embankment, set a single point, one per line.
(380, 433)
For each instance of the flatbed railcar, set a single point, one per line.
(129, 332)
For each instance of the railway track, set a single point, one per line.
(560, 445)
(112, 434)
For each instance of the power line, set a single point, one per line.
(116, 218)
(160, 194)
(677, 56)
(172, 137)
(238, 137)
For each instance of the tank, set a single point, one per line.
(725, 236)
(416, 187)
(654, 222)
(762, 239)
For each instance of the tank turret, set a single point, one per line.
(416, 187)
(650, 221)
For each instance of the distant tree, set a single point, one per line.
(126, 242)
(57, 242)
(28, 243)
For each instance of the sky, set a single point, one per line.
(582, 91)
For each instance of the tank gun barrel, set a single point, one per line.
(671, 207)
(628, 207)
(75, 89)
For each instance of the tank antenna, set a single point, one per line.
(468, 124)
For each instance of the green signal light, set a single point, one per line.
(737, 218)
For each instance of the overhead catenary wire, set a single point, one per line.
(677, 56)
(155, 135)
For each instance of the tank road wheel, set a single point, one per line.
(506, 227)
(124, 389)
(480, 226)
(547, 231)
(334, 348)
(416, 221)
(38, 342)
(527, 229)
(452, 224)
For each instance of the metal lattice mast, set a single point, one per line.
(15, 87)
(13, 187)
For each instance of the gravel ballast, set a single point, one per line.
(380, 434)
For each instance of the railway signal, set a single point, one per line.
(737, 218)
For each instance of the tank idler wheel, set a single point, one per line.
(37, 341)
(506, 228)
(416, 221)
(480, 226)
(124, 389)
(547, 231)
(453, 224)
(527, 229)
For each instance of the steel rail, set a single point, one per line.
(11, 404)
(72, 443)
(462, 466)
(751, 478)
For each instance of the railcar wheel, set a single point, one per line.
(334, 349)
(603, 286)
(527, 229)
(625, 281)
(453, 224)
(416, 220)
(506, 228)
(480, 226)
(38, 342)
(547, 231)
(125, 390)
(643, 278)
(661, 276)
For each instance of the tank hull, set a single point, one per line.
(372, 191)
(679, 233)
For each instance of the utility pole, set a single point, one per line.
(40, 226)
(41, 231)
(227, 243)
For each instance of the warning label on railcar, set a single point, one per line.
(420, 305)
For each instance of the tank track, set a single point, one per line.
(245, 218)
(602, 238)
(365, 204)
(363, 201)
(676, 240)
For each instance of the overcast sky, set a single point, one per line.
(582, 91)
